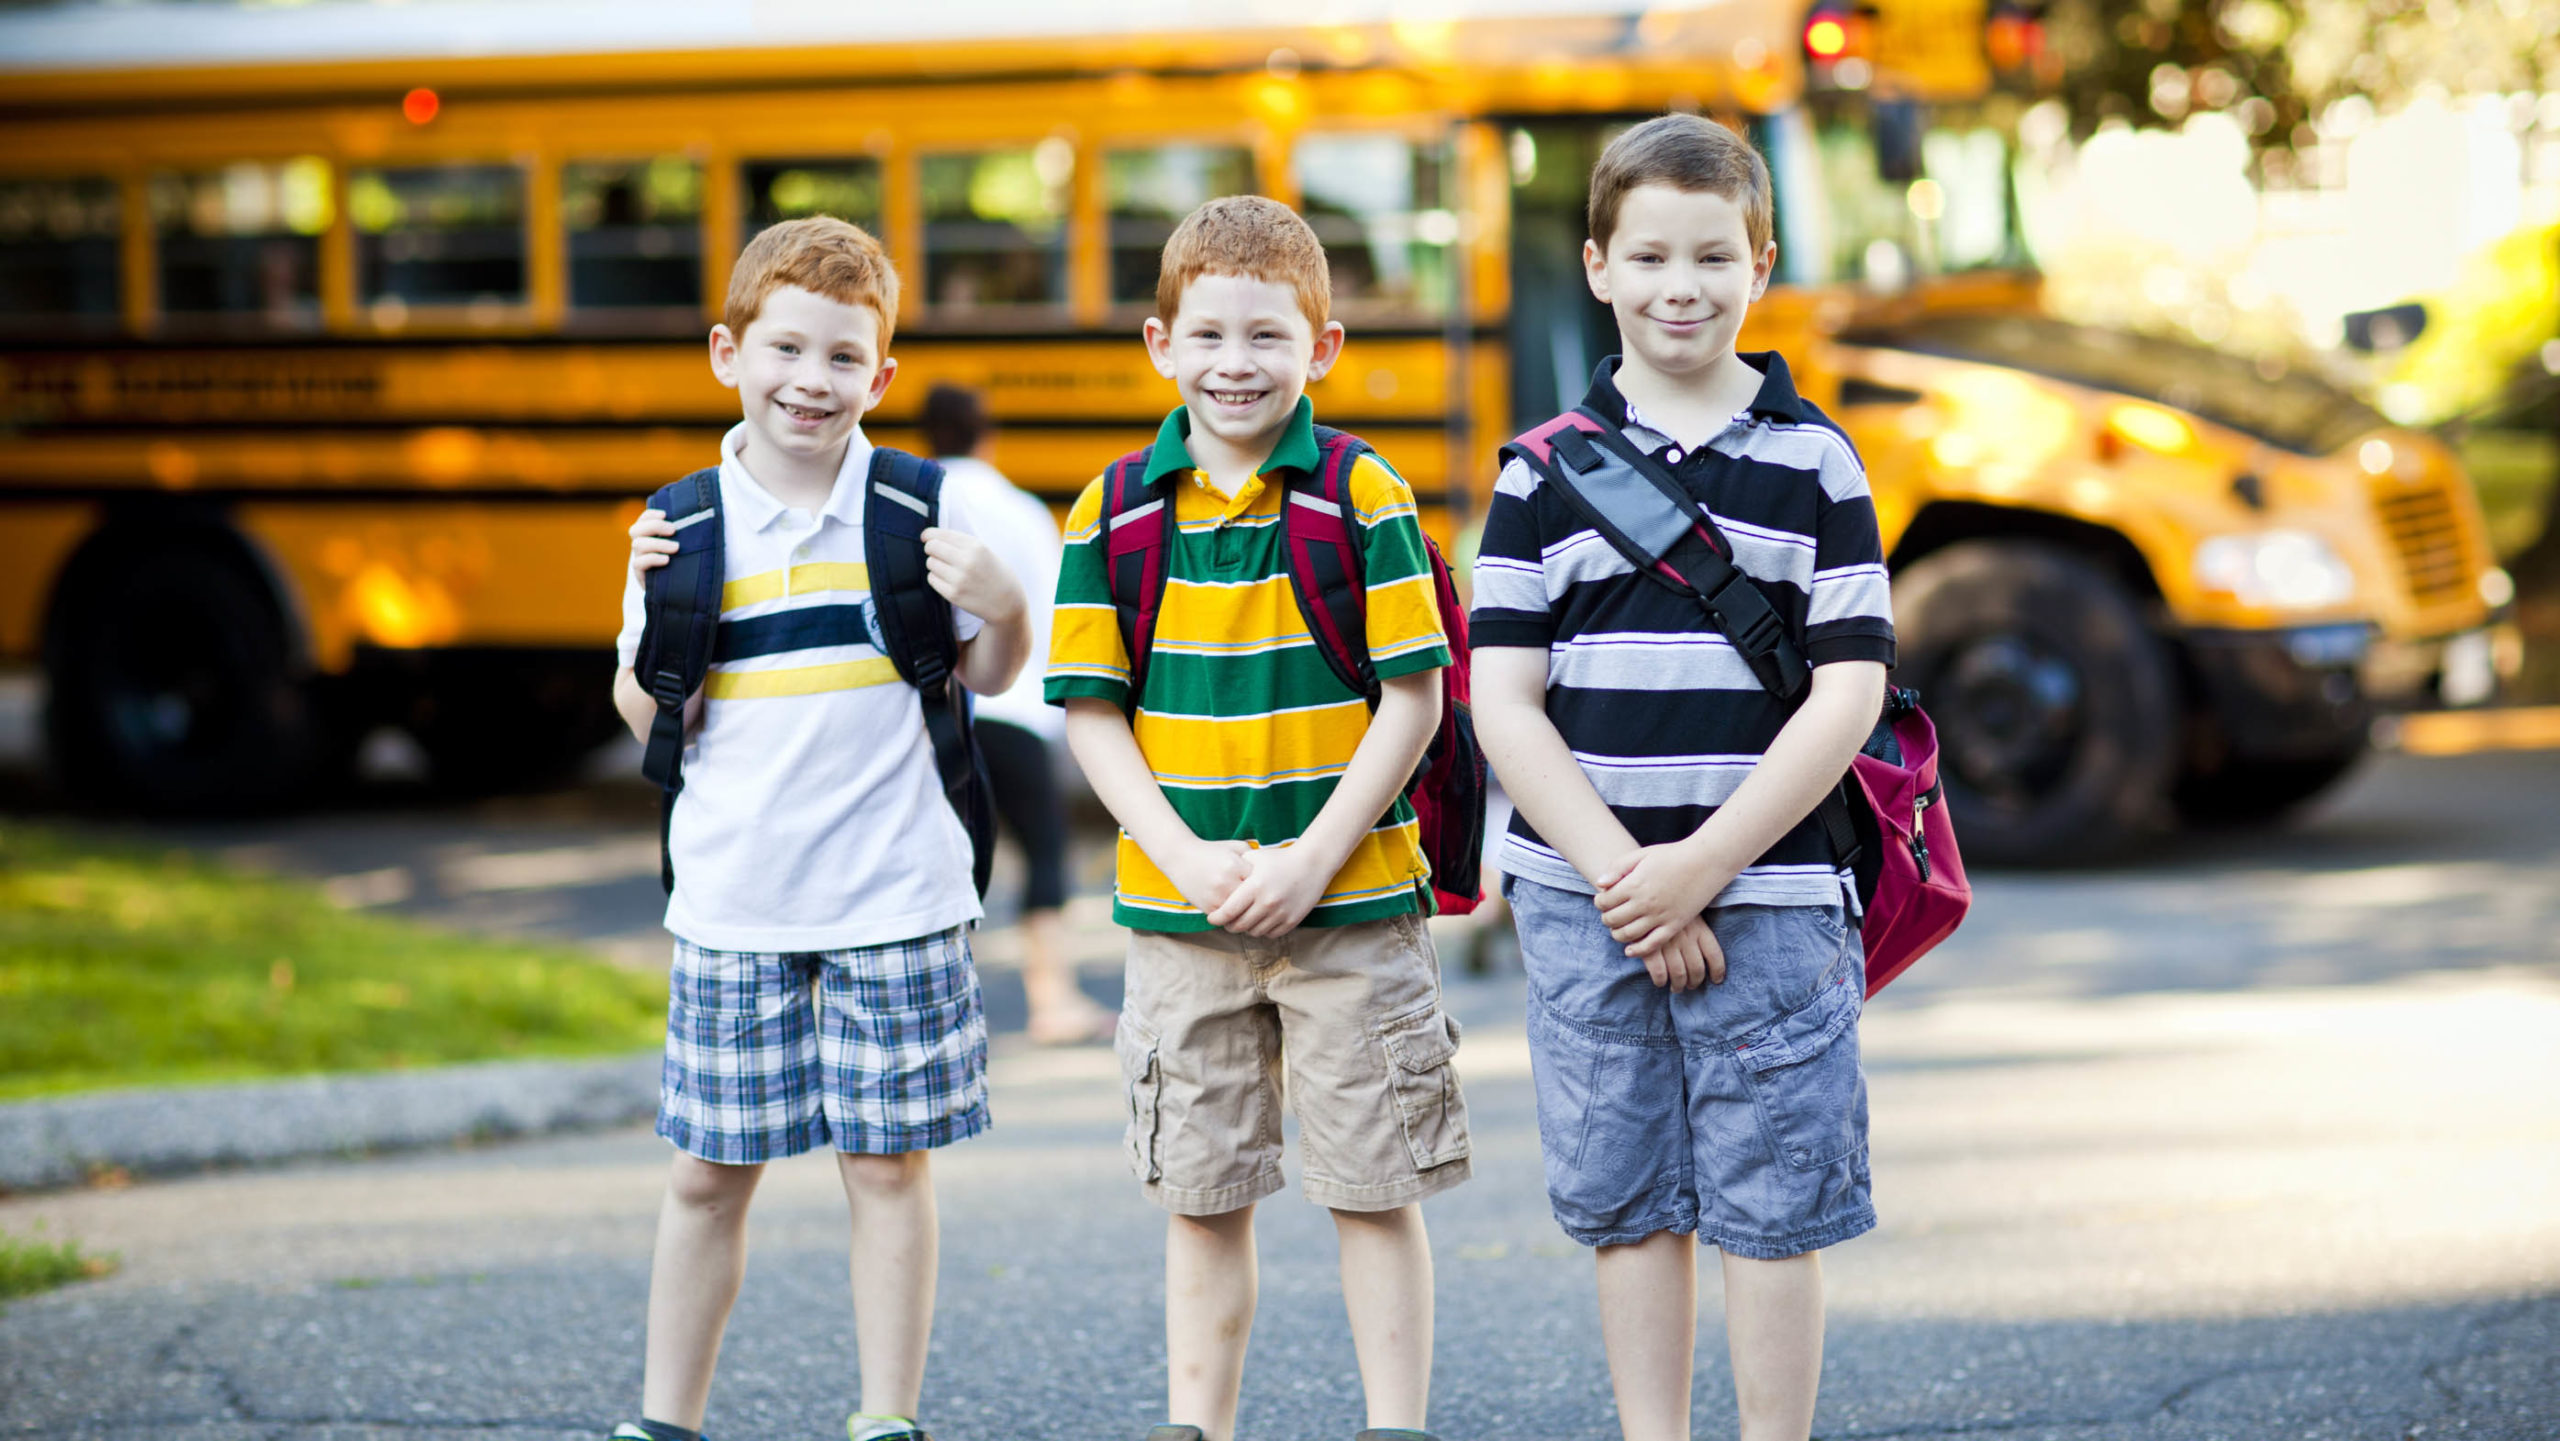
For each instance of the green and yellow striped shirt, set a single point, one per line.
(1244, 725)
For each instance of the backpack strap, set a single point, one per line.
(679, 629)
(915, 630)
(1138, 522)
(1327, 569)
(1649, 517)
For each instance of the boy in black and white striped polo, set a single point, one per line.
(1688, 931)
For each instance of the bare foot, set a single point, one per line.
(1078, 1022)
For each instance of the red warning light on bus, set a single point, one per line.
(420, 105)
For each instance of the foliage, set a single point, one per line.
(29, 1264)
(122, 968)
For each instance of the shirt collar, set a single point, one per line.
(756, 507)
(1296, 450)
(1777, 399)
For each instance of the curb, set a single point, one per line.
(62, 1142)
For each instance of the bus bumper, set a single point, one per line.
(2284, 694)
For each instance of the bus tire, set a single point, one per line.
(2260, 792)
(172, 685)
(2056, 705)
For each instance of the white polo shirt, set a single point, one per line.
(811, 817)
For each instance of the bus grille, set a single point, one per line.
(2426, 534)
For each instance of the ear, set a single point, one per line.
(724, 356)
(1328, 350)
(1595, 270)
(1160, 346)
(880, 379)
(1763, 268)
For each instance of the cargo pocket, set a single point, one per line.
(1804, 1077)
(1143, 1077)
(1419, 1047)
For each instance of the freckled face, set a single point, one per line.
(1680, 274)
(805, 371)
(1241, 352)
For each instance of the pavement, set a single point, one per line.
(2259, 1138)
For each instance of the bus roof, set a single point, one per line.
(83, 53)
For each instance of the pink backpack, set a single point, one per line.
(1887, 819)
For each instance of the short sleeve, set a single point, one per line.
(1086, 658)
(635, 615)
(1405, 635)
(1849, 614)
(1510, 582)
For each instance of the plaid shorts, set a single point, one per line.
(877, 1050)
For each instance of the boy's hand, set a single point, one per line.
(961, 568)
(1646, 897)
(1690, 958)
(1207, 872)
(652, 541)
(1282, 884)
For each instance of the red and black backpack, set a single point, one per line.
(1320, 534)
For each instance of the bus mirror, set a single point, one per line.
(2385, 330)
(1894, 128)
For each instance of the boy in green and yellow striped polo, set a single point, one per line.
(1270, 870)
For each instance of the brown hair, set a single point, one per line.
(954, 419)
(820, 254)
(1685, 152)
(1251, 236)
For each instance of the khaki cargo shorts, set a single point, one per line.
(1349, 1015)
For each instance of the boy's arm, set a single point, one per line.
(1286, 881)
(1649, 891)
(1537, 768)
(652, 544)
(967, 572)
(1098, 736)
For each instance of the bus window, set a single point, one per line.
(439, 235)
(635, 234)
(1148, 192)
(242, 244)
(1380, 205)
(58, 253)
(995, 233)
(789, 189)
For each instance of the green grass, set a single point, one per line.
(123, 968)
(30, 1264)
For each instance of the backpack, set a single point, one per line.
(1326, 572)
(682, 628)
(1887, 819)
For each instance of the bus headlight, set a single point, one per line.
(2288, 569)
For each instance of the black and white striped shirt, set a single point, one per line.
(1657, 706)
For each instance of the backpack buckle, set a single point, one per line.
(667, 688)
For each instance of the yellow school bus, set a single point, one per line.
(333, 370)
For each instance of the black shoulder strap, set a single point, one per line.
(915, 628)
(680, 626)
(1649, 516)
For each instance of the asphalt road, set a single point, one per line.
(2260, 1138)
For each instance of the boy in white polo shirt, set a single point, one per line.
(822, 992)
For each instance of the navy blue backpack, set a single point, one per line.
(682, 631)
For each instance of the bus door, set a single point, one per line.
(1557, 332)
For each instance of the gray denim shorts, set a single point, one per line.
(1735, 1111)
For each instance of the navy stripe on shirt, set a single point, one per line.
(803, 629)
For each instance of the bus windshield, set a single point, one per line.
(2279, 404)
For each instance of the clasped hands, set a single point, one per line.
(1654, 901)
(1262, 891)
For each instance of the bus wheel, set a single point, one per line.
(2247, 793)
(171, 685)
(2055, 704)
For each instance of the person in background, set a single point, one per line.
(1017, 731)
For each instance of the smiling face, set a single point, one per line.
(805, 371)
(1680, 273)
(1241, 352)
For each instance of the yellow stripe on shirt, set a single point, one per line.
(799, 680)
(796, 580)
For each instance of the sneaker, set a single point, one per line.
(912, 1433)
(1388, 1433)
(632, 1431)
(1177, 1433)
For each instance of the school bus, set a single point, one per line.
(334, 370)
